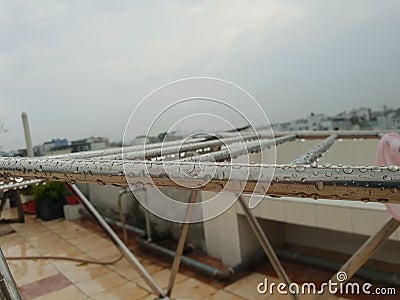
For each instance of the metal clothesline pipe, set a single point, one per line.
(118, 150)
(241, 149)
(310, 181)
(17, 185)
(154, 152)
(316, 152)
(342, 134)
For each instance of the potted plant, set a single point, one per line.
(26, 194)
(28, 199)
(50, 200)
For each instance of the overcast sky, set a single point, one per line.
(78, 68)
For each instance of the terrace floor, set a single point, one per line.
(58, 279)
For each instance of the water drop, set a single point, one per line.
(301, 195)
(163, 175)
(219, 187)
(207, 177)
(393, 168)
(328, 174)
(100, 182)
(315, 196)
(376, 169)
(387, 177)
(319, 185)
(348, 170)
(300, 168)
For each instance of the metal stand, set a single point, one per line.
(181, 243)
(265, 244)
(120, 245)
(361, 256)
(8, 288)
(15, 195)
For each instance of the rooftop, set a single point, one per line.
(60, 279)
(304, 177)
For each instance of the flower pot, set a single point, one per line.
(50, 210)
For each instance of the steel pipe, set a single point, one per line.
(19, 185)
(181, 243)
(265, 244)
(342, 134)
(118, 150)
(316, 152)
(119, 244)
(380, 184)
(241, 149)
(146, 152)
(8, 288)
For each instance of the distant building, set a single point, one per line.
(141, 140)
(357, 119)
(54, 146)
(89, 144)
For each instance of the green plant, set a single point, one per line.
(29, 190)
(50, 192)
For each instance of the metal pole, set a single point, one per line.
(360, 257)
(242, 149)
(16, 185)
(372, 183)
(176, 149)
(147, 217)
(119, 150)
(27, 132)
(181, 243)
(8, 287)
(119, 244)
(265, 244)
(121, 214)
(316, 152)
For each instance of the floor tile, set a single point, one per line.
(108, 252)
(128, 290)
(68, 293)
(223, 295)
(162, 279)
(85, 272)
(192, 289)
(101, 283)
(28, 271)
(19, 249)
(11, 239)
(44, 286)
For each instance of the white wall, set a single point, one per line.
(342, 216)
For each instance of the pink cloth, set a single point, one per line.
(389, 154)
